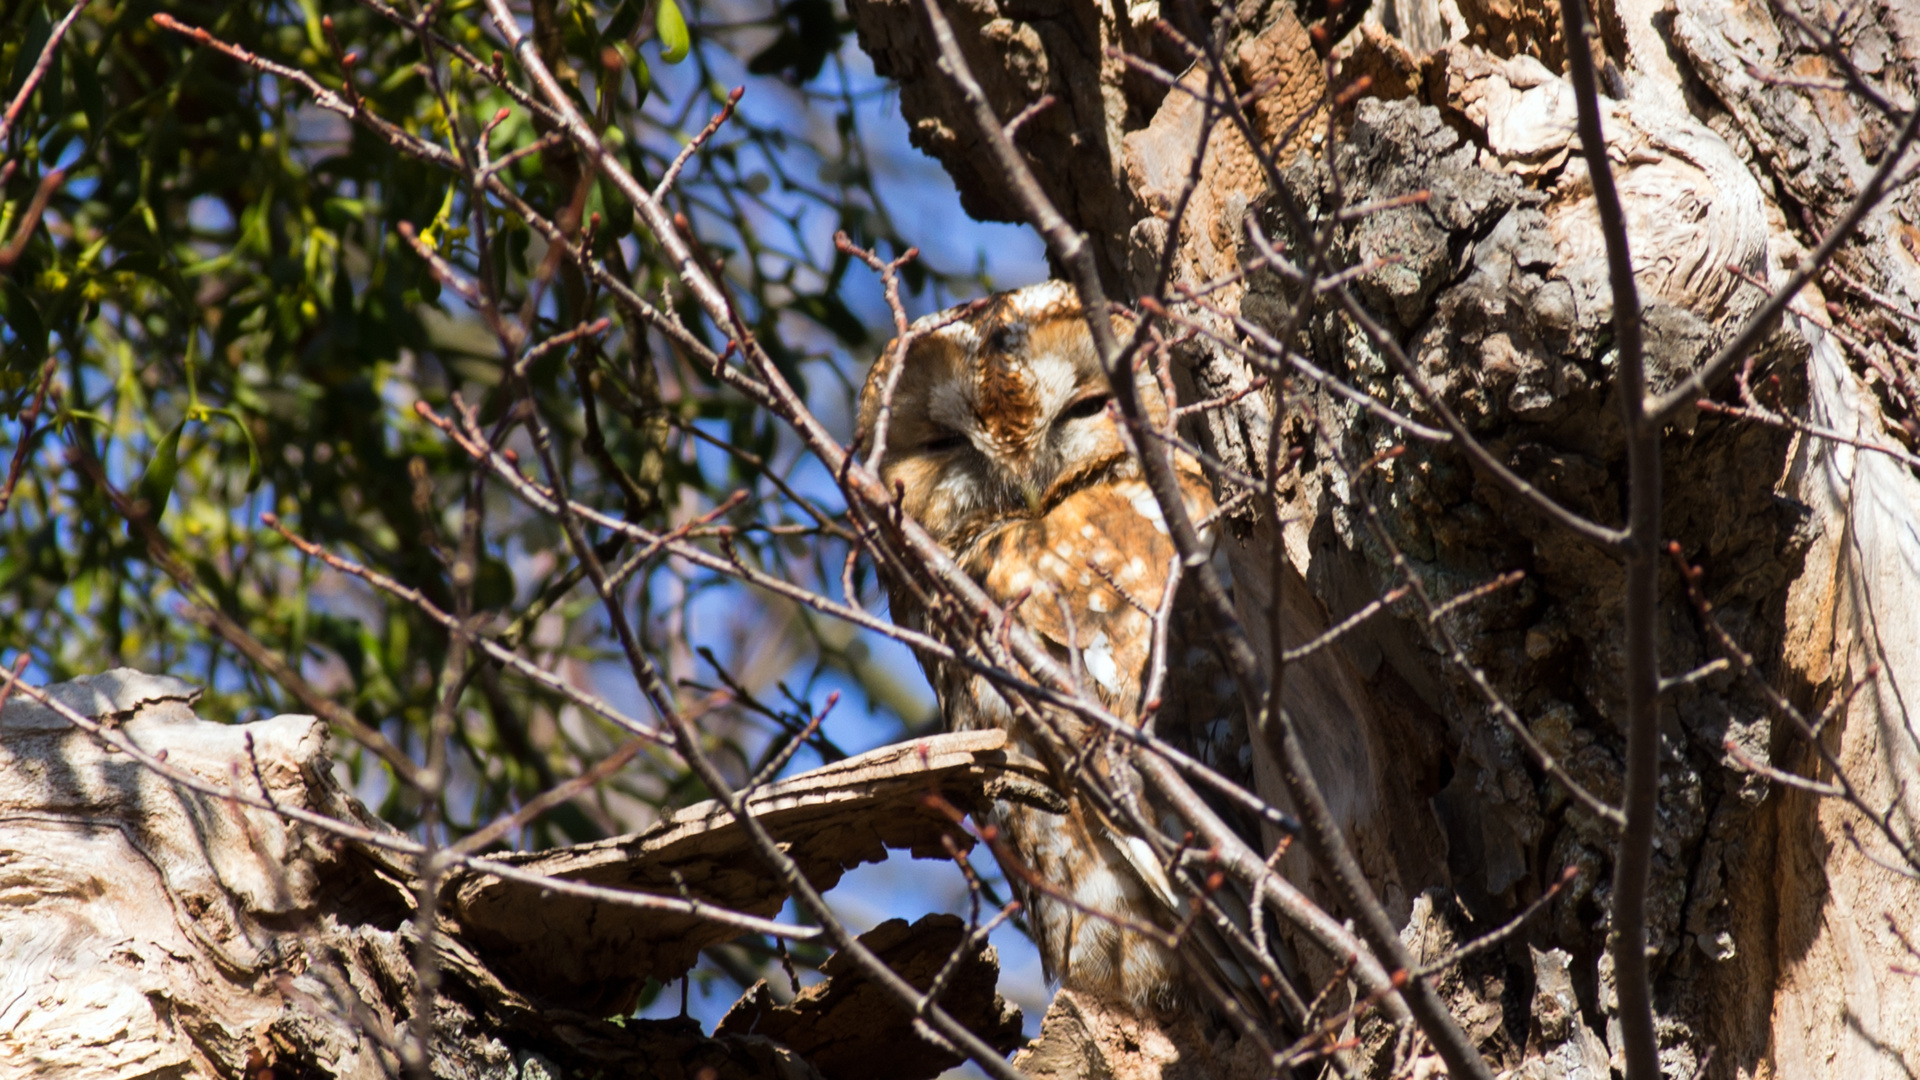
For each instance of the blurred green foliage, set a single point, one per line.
(222, 319)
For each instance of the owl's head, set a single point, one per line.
(999, 414)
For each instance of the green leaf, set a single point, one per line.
(86, 86)
(493, 585)
(39, 29)
(156, 487)
(642, 74)
(18, 314)
(626, 18)
(618, 221)
(53, 95)
(671, 28)
(253, 449)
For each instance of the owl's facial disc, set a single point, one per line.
(1000, 413)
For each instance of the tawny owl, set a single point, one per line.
(1000, 440)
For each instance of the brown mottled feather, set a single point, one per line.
(997, 445)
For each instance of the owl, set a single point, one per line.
(1001, 444)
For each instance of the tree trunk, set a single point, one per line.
(1775, 937)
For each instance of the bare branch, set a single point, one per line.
(39, 71)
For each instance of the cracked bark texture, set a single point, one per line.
(1772, 950)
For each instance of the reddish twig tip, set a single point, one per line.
(1353, 91)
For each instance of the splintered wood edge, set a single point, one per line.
(856, 779)
(879, 778)
(592, 954)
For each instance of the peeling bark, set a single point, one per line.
(837, 1025)
(594, 957)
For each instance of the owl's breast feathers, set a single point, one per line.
(1087, 577)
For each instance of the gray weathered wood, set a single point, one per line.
(151, 929)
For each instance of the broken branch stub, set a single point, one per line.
(164, 911)
(595, 956)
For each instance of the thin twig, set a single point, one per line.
(39, 69)
(27, 418)
(210, 615)
(694, 144)
(1344, 626)
(417, 600)
(1761, 322)
(31, 219)
(1759, 415)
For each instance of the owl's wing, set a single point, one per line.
(1210, 956)
(1198, 712)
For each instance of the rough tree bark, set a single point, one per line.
(1773, 934)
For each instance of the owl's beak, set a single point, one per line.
(1034, 496)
